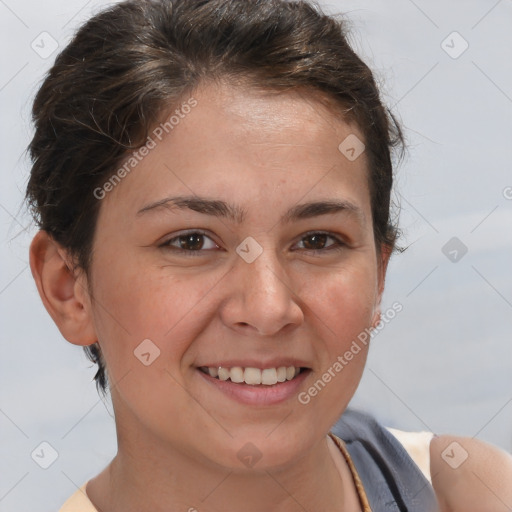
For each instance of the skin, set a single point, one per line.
(178, 436)
(482, 481)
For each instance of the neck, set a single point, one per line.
(145, 475)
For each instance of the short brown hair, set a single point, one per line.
(137, 58)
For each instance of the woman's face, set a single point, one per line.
(241, 273)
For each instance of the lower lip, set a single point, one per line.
(261, 394)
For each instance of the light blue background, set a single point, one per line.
(444, 364)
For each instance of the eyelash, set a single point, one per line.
(336, 246)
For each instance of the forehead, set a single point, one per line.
(257, 145)
(270, 120)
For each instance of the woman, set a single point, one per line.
(212, 185)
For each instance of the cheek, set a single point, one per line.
(342, 308)
(146, 323)
(343, 301)
(132, 306)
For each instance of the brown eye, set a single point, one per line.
(320, 242)
(193, 241)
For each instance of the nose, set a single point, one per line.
(260, 297)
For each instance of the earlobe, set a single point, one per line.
(376, 317)
(64, 294)
(385, 255)
(382, 265)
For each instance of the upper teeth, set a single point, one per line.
(254, 376)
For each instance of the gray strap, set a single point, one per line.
(391, 479)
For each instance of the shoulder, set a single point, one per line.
(78, 502)
(469, 474)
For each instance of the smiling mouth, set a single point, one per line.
(253, 376)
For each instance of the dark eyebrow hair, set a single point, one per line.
(237, 214)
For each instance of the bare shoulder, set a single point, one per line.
(470, 475)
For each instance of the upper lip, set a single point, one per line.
(254, 363)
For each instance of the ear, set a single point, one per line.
(382, 266)
(63, 292)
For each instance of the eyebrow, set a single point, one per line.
(237, 214)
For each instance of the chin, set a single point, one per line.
(262, 452)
